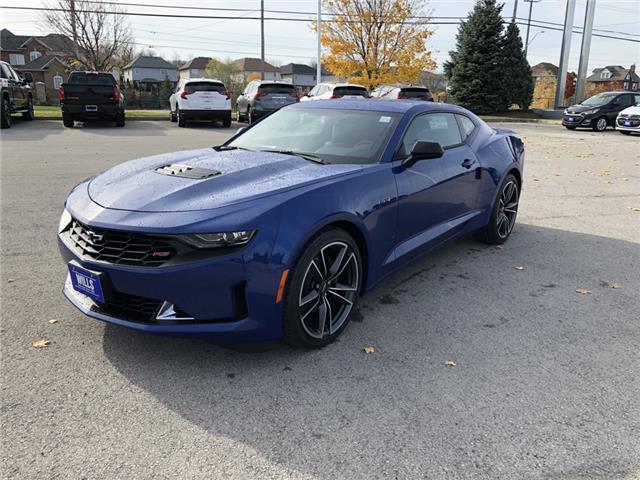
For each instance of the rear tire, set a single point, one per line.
(182, 122)
(67, 120)
(226, 121)
(5, 114)
(120, 120)
(28, 115)
(503, 213)
(569, 128)
(600, 124)
(323, 290)
(624, 133)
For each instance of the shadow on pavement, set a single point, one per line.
(535, 391)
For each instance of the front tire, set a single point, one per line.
(172, 116)
(569, 128)
(120, 120)
(600, 124)
(29, 115)
(238, 116)
(503, 213)
(624, 133)
(5, 115)
(324, 287)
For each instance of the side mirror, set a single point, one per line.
(28, 78)
(423, 151)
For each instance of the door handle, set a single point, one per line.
(468, 162)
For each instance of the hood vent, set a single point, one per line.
(186, 171)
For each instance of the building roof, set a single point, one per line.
(253, 65)
(53, 41)
(199, 63)
(618, 73)
(297, 68)
(544, 69)
(148, 61)
(40, 63)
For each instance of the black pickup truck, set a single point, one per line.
(15, 93)
(91, 96)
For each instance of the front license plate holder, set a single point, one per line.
(87, 282)
(627, 123)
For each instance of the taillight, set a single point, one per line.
(259, 95)
(402, 97)
(226, 94)
(295, 94)
(334, 96)
(116, 94)
(61, 93)
(184, 95)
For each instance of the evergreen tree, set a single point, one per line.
(166, 88)
(475, 71)
(517, 72)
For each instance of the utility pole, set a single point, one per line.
(72, 7)
(526, 42)
(262, 38)
(585, 48)
(564, 53)
(319, 57)
(515, 10)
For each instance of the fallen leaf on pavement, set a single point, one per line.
(583, 291)
(41, 343)
(53, 320)
(519, 267)
(368, 349)
(11, 280)
(634, 209)
(450, 363)
(499, 247)
(616, 285)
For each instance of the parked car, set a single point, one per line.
(325, 91)
(402, 92)
(628, 120)
(598, 111)
(261, 97)
(16, 93)
(277, 234)
(200, 99)
(91, 96)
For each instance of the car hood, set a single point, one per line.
(635, 110)
(580, 108)
(243, 175)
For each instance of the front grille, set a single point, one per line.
(129, 307)
(119, 247)
(634, 122)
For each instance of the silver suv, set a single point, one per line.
(261, 97)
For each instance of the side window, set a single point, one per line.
(627, 100)
(3, 71)
(467, 126)
(432, 127)
(637, 99)
(13, 74)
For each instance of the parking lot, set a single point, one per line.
(545, 383)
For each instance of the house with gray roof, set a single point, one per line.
(614, 77)
(19, 50)
(147, 71)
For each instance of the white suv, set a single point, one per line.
(324, 91)
(200, 99)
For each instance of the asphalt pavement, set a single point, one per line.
(542, 383)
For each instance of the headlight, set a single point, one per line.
(566, 111)
(590, 112)
(65, 220)
(217, 240)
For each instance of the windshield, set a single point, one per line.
(415, 93)
(599, 100)
(335, 136)
(268, 88)
(351, 90)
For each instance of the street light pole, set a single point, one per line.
(319, 55)
(585, 48)
(526, 42)
(262, 38)
(515, 10)
(564, 53)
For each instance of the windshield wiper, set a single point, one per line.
(222, 148)
(306, 156)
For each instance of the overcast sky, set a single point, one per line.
(295, 42)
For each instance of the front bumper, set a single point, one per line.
(621, 124)
(577, 120)
(225, 299)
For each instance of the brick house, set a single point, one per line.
(612, 77)
(51, 71)
(194, 68)
(19, 50)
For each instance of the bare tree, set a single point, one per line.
(100, 31)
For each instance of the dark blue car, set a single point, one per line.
(280, 230)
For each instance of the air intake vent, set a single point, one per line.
(186, 171)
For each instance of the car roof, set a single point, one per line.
(373, 105)
(213, 80)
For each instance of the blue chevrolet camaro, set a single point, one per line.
(277, 232)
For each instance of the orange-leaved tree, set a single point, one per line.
(372, 42)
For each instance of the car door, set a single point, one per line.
(437, 196)
(16, 89)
